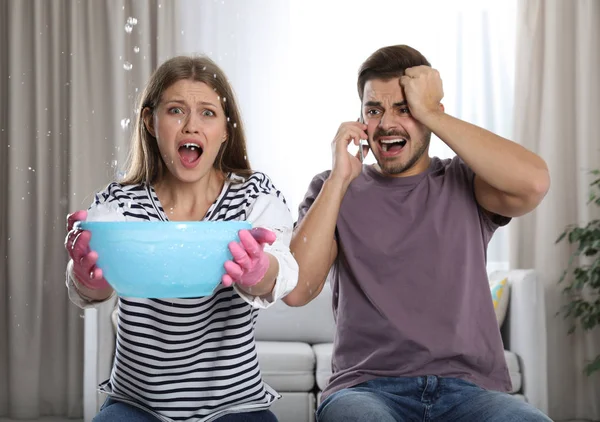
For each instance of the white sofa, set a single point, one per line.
(294, 348)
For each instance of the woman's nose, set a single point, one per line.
(191, 124)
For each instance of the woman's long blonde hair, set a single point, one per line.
(144, 163)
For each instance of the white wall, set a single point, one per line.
(293, 64)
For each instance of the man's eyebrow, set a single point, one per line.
(402, 103)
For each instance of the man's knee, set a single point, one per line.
(353, 405)
(500, 407)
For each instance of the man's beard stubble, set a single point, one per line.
(399, 168)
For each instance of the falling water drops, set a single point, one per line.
(128, 28)
(125, 123)
(131, 21)
(127, 66)
(235, 125)
(136, 49)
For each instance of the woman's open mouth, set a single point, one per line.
(189, 154)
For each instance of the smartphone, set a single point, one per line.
(360, 143)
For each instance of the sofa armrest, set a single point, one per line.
(98, 349)
(524, 333)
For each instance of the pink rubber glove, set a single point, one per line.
(250, 262)
(77, 244)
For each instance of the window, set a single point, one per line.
(294, 64)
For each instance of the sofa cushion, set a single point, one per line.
(323, 354)
(500, 289)
(294, 407)
(287, 366)
(312, 323)
(514, 370)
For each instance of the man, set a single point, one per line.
(406, 239)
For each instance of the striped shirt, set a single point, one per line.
(194, 359)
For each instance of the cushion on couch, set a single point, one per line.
(514, 370)
(500, 290)
(287, 366)
(312, 323)
(323, 353)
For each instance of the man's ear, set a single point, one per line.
(148, 119)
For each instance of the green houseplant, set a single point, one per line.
(583, 272)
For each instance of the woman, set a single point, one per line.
(191, 359)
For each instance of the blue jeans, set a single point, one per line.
(113, 411)
(424, 399)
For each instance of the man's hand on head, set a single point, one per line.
(423, 91)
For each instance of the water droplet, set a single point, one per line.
(131, 21)
(224, 99)
(228, 119)
(235, 125)
(245, 157)
(136, 49)
(127, 66)
(114, 163)
(125, 123)
(304, 239)
(182, 32)
(204, 68)
(128, 28)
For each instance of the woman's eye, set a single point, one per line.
(175, 110)
(208, 113)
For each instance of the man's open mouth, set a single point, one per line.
(391, 145)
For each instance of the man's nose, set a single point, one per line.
(387, 121)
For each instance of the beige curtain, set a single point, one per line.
(69, 73)
(557, 114)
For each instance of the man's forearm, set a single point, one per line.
(313, 244)
(503, 164)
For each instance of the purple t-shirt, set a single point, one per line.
(410, 288)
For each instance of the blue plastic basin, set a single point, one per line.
(163, 259)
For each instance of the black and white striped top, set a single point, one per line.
(195, 359)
